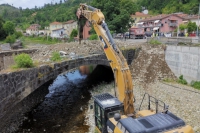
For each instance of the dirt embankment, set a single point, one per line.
(150, 65)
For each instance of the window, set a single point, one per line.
(111, 114)
(98, 117)
(97, 113)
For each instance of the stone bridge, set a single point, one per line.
(15, 86)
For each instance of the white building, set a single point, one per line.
(58, 33)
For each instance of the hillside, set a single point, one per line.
(61, 12)
(9, 12)
(170, 6)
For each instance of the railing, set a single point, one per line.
(175, 40)
(173, 24)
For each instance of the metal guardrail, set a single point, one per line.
(175, 40)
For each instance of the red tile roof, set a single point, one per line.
(161, 16)
(69, 22)
(58, 29)
(188, 17)
(140, 14)
(55, 23)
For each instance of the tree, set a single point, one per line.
(191, 26)
(2, 32)
(182, 27)
(74, 33)
(9, 27)
(117, 14)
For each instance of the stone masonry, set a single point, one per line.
(15, 86)
(6, 57)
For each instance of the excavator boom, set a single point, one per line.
(108, 109)
(123, 79)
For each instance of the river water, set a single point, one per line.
(63, 108)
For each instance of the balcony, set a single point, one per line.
(173, 24)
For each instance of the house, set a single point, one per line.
(161, 23)
(55, 25)
(192, 18)
(139, 16)
(58, 33)
(86, 30)
(33, 29)
(69, 26)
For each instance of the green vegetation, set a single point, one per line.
(168, 80)
(93, 37)
(23, 18)
(39, 40)
(23, 61)
(117, 14)
(196, 84)
(181, 80)
(73, 34)
(55, 56)
(10, 39)
(170, 6)
(154, 42)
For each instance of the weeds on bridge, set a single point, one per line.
(23, 61)
(55, 56)
(154, 42)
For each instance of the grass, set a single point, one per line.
(55, 56)
(154, 42)
(39, 40)
(181, 80)
(196, 84)
(168, 80)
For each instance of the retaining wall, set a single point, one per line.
(185, 61)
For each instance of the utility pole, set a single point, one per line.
(198, 22)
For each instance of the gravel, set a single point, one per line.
(148, 70)
(183, 103)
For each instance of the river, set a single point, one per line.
(63, 108)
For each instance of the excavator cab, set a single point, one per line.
(105, 107)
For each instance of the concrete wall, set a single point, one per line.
(184, 61)
(6, 57)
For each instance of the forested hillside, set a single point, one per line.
(170, 6)
(62, 11)
(117, 14)
(9, 12)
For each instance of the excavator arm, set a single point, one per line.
(123, 79)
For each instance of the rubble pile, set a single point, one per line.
(150, 65)
(73, 48)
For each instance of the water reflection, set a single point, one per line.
(63, 106)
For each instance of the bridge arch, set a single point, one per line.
(15, 86)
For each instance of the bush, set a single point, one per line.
(181, 80)
(55, 56)
(93, 37)
(23, 61)
(10, 39)
(18, 34)
(196, 84)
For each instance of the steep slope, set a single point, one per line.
(9, 12)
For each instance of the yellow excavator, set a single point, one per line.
(117, 115)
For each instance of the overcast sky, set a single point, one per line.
(27, 3)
